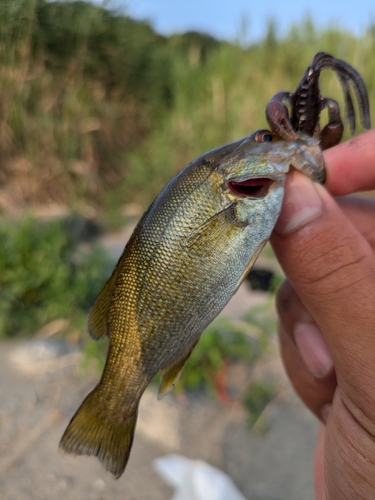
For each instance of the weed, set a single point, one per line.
(222, 341)
(95, 104)
(226, 341)
(44, 275)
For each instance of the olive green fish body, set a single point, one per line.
(184, 261)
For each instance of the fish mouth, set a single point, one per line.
(251, 188)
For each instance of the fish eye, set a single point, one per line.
(263, 136)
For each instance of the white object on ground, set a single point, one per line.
(196, 479)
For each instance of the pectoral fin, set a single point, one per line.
(171, 374)
(220, 227)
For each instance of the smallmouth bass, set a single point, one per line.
(185, 259)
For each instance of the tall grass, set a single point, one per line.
(94, 104)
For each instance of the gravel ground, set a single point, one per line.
(41, 385)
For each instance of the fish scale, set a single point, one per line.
(184, 261)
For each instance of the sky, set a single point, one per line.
(225, 18)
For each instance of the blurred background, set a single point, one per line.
(100, 105)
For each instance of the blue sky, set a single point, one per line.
(222, 18)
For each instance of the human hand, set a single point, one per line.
(327, 313)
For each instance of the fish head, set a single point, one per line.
(253, 175)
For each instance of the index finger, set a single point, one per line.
(351, 165)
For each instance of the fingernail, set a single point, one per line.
(313, 349)
(324, 412)
(302, 203)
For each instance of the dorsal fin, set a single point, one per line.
(98, 318)
(97, 321)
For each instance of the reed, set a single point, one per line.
(97, 106)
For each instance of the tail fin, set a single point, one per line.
(92, 432)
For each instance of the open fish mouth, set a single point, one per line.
(251, 188)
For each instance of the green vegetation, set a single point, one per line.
(44, 276)
(97, 106)
(222, 342)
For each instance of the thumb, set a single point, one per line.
(332, 269)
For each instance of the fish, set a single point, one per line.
(185, 259)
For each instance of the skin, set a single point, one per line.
(326, 308)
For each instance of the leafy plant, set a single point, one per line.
(223, 341)
(44, 275)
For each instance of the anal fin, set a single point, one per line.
(171, 374)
